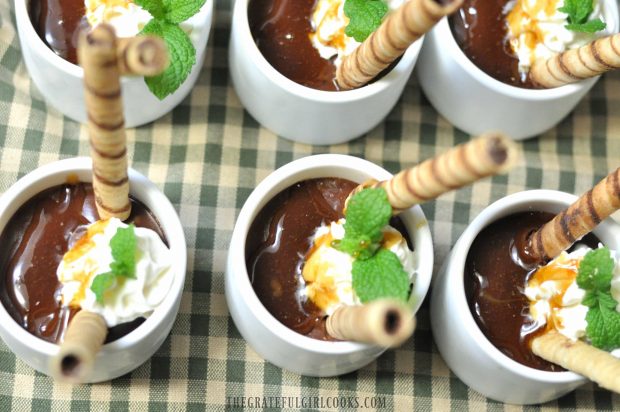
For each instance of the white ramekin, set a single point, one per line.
(463, 346)
(298, 112)
(264, 333)
(60, 82)
(475, 102)
(127, 353)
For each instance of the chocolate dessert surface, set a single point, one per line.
(34, 243)
(495, 279)
(278, 242)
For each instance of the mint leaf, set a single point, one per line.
(578, 12)
(368, 211)
(591, 26)
(380, 276)
(594, 276)
(123, 245)
(182, 58)
(154, 7)
(596, 270)
(365, 16)
(101, 283)
(178, 11)
(603, 328)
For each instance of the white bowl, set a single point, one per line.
(60, 81)
(127, 353)
(463, 346)
(301, 113)
(475, 102)
(264, 333)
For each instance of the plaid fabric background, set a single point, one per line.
(208, 155)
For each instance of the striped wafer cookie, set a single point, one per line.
(598, 57)
(384, 323)
(484, 156)
(577, 356)
(142, 56)
(83, 340)
(97, 54)
(576, 221)
(397, 32)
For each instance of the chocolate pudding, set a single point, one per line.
(495, 279)
(58, 23)
(481, 30)
(281, 29)
(277, 244)
(33, 244)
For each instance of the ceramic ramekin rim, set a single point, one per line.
(241, 23)
(280, 180)
(450, 46)
(166, 215)
(456, 265)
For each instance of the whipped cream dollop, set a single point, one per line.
(327, 271)
(555, 298)
(125, 16)
(127, 299)
(329, 23)
(536, 30)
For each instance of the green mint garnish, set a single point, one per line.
(167, 14)
(594, 276)
(368, 211)
(381, 276)
(123, 248)
(578, 12)
(365, 16)
(377, 273)
(178, 11)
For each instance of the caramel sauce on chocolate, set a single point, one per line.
(495, 279)
(281, 29)
(280, 239)
(481, 31)
(33, 244)
(58, 23)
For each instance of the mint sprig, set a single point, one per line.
(578, 12)
(381, 276)
(365, 16)
(123, 248)
(376, 272)
(167, 14)
(594, 276)
(368, 211)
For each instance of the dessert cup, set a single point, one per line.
(127, 353)
(60, 81)
(474, 359)
(475, 102)
(298, 112)
(271, 339)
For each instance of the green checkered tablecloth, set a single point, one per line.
(208, 155)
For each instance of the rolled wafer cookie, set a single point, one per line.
(142, 56)
(598, 57)
(484, 156)
(578, 220)
(577, 356)
(397, 32)
(97, 54)
(83, 340)
(385, 323)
